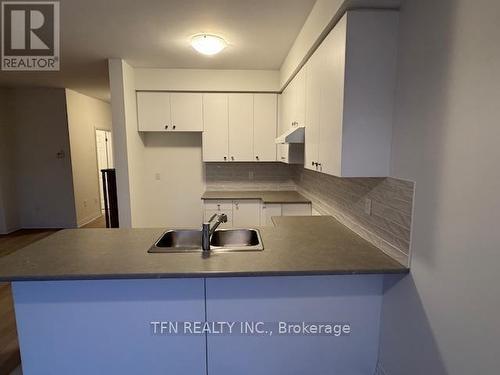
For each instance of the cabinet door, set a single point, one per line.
(313, 96)
(153, 111)
(332, 100)
(298, 99)
(240, 127)
(264, 128)
(246, 213)
(186, 111)
(215, 123)
(268, 211)
(296, 209)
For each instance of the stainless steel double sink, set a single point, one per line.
(189, 240)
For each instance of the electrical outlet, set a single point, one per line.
(368, 206)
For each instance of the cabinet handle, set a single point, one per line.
(166, 127)
(257, 157)
(225, 158)
(218, 207)
(232, 157)
(282, 158)
(313, 163)
(173, 127)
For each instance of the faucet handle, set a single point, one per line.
(223, 218)
(211, 218)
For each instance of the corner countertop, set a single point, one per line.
(300, 245)
(267, 196)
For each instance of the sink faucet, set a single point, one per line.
(207, 231)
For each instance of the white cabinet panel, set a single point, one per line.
(186, 111)
(153, 111)
(296, 209)
(215, 134)
(246, 213)
(268, 211)
(313, 91)
(332, 100)
(240, 116)
(264, 133)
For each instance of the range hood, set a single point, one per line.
(292, 135)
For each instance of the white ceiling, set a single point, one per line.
(156, 33)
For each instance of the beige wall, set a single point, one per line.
(443, 318)
(85, 115)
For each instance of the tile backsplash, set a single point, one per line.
(248, 176)
(377, 209)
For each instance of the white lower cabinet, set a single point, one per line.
(240, 213)
(296, 209)
(268, 211)
(246, 213)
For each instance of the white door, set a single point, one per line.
(313, 97)
(240, 127)
(104, 147)
(264, 127)
(246, 213)
(153, 111)
(215, 123)
(186, 111)
(332, 100)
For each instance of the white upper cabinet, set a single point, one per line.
(350, 95)
(153, 111)
(186, 111)
(215, 133)
(264, 127)
(292, 112)
(164, 111)
(241, 127)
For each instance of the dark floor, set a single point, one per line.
(9, 346)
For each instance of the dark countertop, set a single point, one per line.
(267, 196)
(312, 245)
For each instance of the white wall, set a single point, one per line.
(9, 219)
(172, 178)
(85, 115)
(159, 176)
(443, 318)
(207, 80)
(43, 181)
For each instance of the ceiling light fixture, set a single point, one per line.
(208, 44)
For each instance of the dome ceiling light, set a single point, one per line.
(208, 44)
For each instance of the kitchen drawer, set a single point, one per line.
(220, 205)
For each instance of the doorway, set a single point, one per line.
(104, 146)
